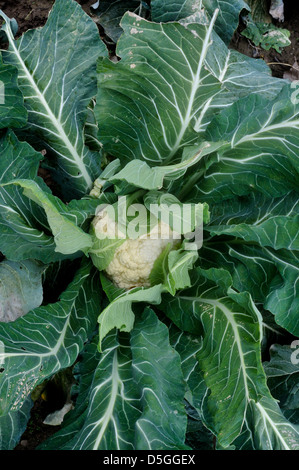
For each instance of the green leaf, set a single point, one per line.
(266, 428)
(119, 313)
(240, 76)
(112, 402)
(182, 313)
(102, 249)
(283, 376)
(153, 113)
(165, 10)
(158, 375)
(179, 264)
(91, 130)
(13, 425)
(188, 346)
(230, 353)
(25, 232)
(139, 174)
(270, 276)
(130, 395)
(57, 86)
(20, 288)
(12, 110)
(227, 19)
(156, 118)
(182, 218)
(68, 237)
(256, 209)
(160, 271)
(110, 13)
(275, 231)
(23, 225)
(47, 339)
(267, 35)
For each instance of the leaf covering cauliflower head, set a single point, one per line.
(133, 259)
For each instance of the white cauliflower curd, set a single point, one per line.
(134, 259)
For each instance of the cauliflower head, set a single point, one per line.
(134, 259)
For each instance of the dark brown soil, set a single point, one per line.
(33, 13)
(48, 397)
(36, 431)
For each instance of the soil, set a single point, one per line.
(34, 13)
(37, 431)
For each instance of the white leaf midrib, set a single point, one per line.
(106, 418)
(195, 84)
(232, 322)
(267, 129)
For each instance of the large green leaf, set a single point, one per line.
(157, 371)
(20, 288)
(113, 402)
(273, 224)
(230, 354)
(12, 110)
(138, 173)
(256, 209)
(23, 226)
(240, 75)
(153, 112)
(131, 395)
(83, 372)
(47, 339)
(156, 115)
(58, 85)
(181, 312)
(107, 406)
(26, 222)
(68, 237)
